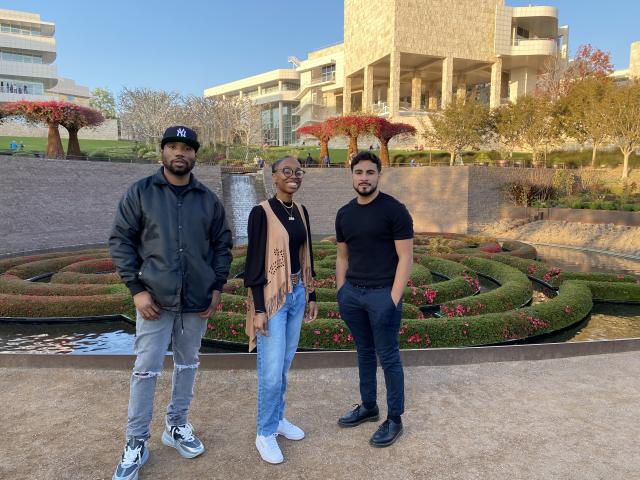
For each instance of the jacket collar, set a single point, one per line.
(159, 179)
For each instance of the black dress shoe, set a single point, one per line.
(387, 433)
(359, 415)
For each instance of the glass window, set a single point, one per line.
(328, 73)
(14, 85)
(291, 85)
(21, 29)
(19, 57)
(269, 89)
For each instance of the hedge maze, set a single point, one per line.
(444, 305)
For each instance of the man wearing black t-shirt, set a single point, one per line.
(374, 233)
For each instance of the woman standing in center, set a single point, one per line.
(278, 273)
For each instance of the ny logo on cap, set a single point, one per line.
(182, 132)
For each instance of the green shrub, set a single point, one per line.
(420, 275)
(64, 306)
(612, 291)
(322, 273)
(514, 291)
(13, 285)
(39, 267)
(86, 278)
(237, 266)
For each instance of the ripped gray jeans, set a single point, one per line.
(185, 330)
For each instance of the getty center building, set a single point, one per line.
(403, 58)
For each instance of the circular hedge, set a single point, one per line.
(443, 303)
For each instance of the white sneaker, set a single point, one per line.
(269, 449)
(289, 430)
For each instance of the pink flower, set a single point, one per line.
(317, 332)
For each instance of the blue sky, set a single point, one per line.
(189, 45)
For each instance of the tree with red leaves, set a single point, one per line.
(590, 62)
(384, 131)
(322, 131)
(352, 126)
(76, 117)
(558, 75)
(71, 116)
(50, 113)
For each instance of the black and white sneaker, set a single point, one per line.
(181, 438)
(135, 455)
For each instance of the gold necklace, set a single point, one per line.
(288, 210)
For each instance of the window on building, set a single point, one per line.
(290, 86)
(522, 32)
(14, 85)
(270, 88)
(9, 56)
(328, 73)
(20, 29)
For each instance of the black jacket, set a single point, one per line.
(177, 247)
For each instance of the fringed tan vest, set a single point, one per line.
(277, 269)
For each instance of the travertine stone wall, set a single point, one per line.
(634, 63)
(461, 29)
(487, 203)
(56, 203)
(435, 196)
(368, 31)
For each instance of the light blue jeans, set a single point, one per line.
(275, 354)
(185, 330)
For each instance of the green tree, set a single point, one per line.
(531, 123)
(460, 125)
(623, 120)
(584, 112)
(103, 100)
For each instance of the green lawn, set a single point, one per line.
(124, 149)
(110, 148)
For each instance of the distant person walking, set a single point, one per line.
(325, 161)
(13, 146)
(172, 248)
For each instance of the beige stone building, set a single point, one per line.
(403, 58)
(633, 72)
(27, 56)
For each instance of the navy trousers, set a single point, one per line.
(374, 322)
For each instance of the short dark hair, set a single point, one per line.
(274, 165)
(372, 157)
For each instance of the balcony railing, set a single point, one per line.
(313, 113)
(323, 78)
(534, 46)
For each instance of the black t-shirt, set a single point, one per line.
(369, 232)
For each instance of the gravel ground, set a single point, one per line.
(574, 418)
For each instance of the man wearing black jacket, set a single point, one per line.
(172, 247)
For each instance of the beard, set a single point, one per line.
(371, 191)
(179, 171)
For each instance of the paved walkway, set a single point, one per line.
(575, 418)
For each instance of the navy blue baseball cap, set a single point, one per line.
(182, 134)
